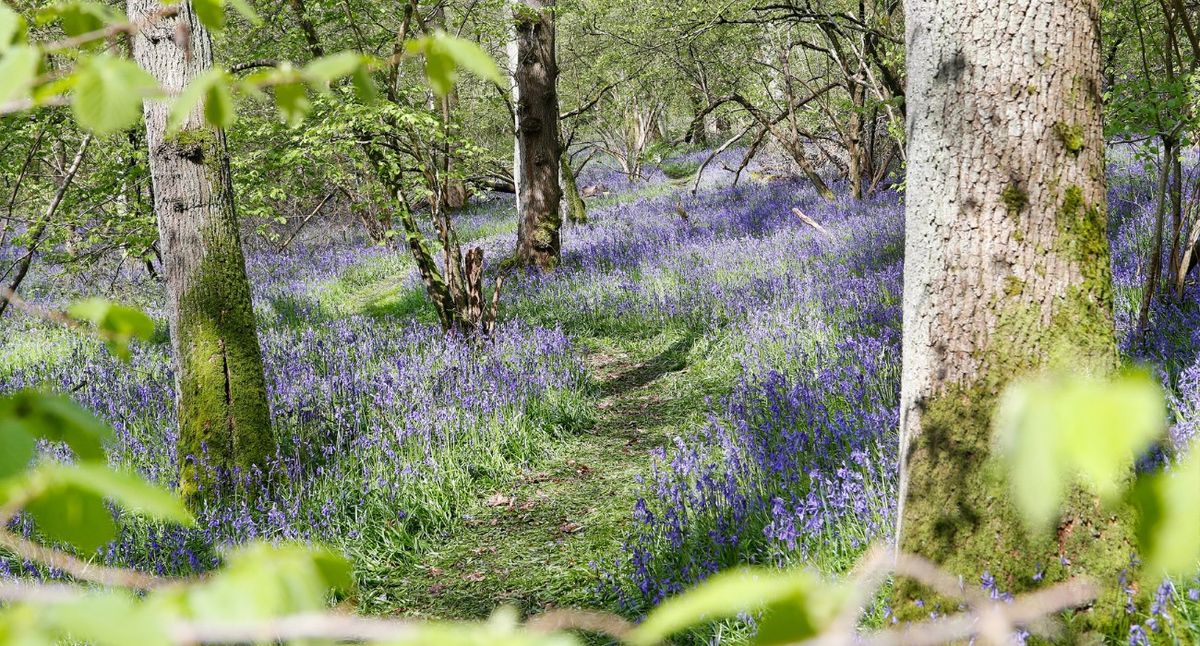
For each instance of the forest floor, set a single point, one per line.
(532, 543)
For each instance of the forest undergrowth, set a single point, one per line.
(706, 380)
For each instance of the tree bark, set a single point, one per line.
(1006, 272)
(576, 207)
(536, 71)
(221, 397)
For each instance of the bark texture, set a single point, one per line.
(221, 399)
(536, 72)
(1006, 271)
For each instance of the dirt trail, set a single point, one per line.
(531, 543)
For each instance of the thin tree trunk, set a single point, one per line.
(35, 236)
(576, 207)
(1006, 272)
(1154, 257)
(538, 232)
(221, 397)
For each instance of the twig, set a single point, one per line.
(79, 568)
(338, 627)
(589, 620)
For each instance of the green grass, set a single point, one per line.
(530, 541)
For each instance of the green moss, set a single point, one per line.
(223, 414)
(1071, 136)
(1013, 286)
(963, 518)
(959, 511)
(1015, 198)
(198, 145)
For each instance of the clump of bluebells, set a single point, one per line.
(798, 460)
(797, 464)
(385, 425)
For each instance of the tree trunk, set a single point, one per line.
(576, 207)
(854, 139)
(538, 242)
(221, 397)
(1006, 271)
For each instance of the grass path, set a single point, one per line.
(531, 542)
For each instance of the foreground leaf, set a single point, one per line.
(796, 602)
(1060, 430)
(1169, 519)
(108, 93)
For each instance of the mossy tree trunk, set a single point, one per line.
(536, 73)
(1006, 272)
(576, 207)
(221, 398)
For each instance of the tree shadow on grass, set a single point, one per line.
(671, 359)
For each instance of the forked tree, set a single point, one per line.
(1007, 272)
(221, 398)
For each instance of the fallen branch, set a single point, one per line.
(810, 222)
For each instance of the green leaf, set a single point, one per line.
(12, 28)
(211, 13)
(1058, 430)
(262, 580)
(218, 104)
(77, 18)
(195, 92)
(1169, 519)
(18, 69)
(469, 56)
(364, 86)
(328, 68)
(129, 491)
(71, 514)
(439, 69)
(17, 447)
(118, 324)
(109, 92)
(248, 12)
(114, 618)
(57, 419)
(796, 602)
(292, 101)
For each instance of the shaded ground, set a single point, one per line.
(532, 542)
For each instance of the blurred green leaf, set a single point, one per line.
(12, 28)
(129, 491)
(796, 602)
(439, 69)
(292, 101)
(211, 13)
(1057, 430)
(17, 447)
(109, 92)
(364, 86)
(58, 419)
(469, 56)
(71, 514)
(262, 580)
(210, 88)
(322, 71)
(81, 17)
(118, 324)
(247, 11)
(1169, 519)
(18, 69)
(113, 618)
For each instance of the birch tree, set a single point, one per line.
(1007, 271)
